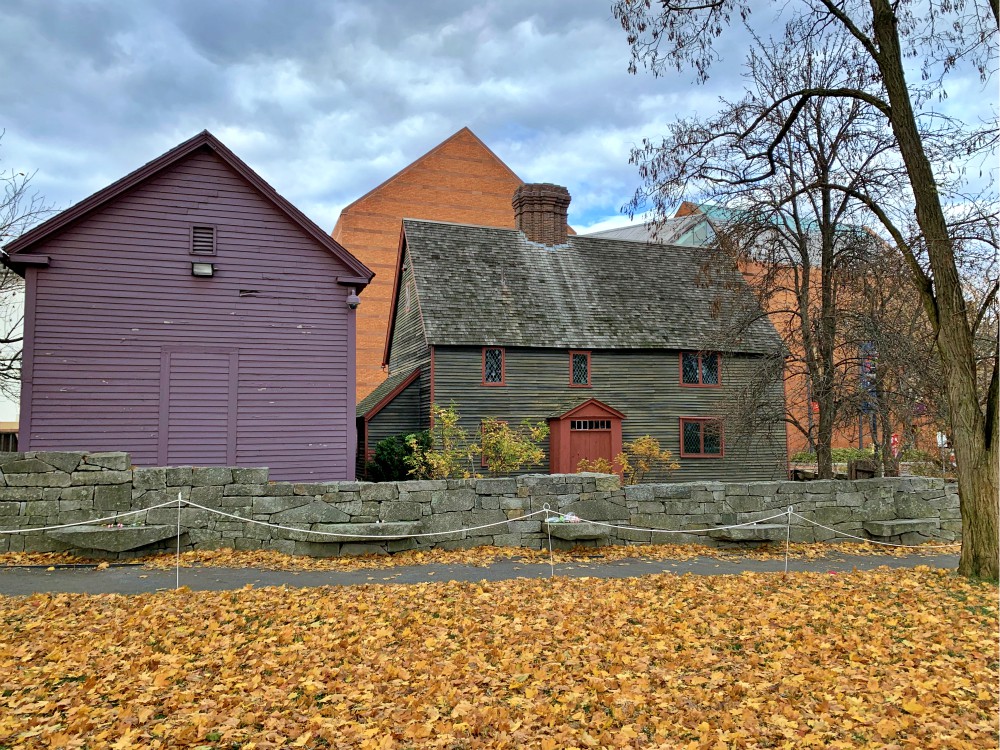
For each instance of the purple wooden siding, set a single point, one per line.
(119, 296)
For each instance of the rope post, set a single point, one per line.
(788, 534)
(548, 531)
(177, 564)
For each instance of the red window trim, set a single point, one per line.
(503, 367)
(699, 384)
(482, 459)
(589, 378)
(722, 438)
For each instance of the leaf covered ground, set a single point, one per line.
(895, 659)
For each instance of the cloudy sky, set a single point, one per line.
(327, 99)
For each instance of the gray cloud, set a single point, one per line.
(327, 99)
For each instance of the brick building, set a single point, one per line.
(460, 180)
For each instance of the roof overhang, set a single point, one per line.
(20, 263)
(391, 395)
(361, 275)
(586, 405)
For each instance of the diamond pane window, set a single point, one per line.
(712, 438)
(692, 437)
(689, 367)
(701, 438)
(493, 366)
(700, 368)
(579, 368)
(710, 369)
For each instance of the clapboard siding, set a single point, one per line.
(119, 296)
(409, 345)
(401, 415)
(409, 348)
(642, 384)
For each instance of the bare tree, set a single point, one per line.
(943, 37)
(791, 233)
(20, 208)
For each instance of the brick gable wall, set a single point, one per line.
(460, 181)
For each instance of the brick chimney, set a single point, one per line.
(540, 212)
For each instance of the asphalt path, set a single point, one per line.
(134, 579)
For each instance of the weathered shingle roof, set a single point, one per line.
(487, 286)
(382, 390)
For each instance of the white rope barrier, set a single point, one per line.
(873, 541)
(373, 537)
(179, 503)
(678, 531)
(92, 521)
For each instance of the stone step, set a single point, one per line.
(356, 532)
(902, 526)
(576, 531)
(760, 532)
(112, 539)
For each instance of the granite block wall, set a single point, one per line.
(45, 489)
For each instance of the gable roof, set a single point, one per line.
(693, 230)
(565, 412)
(463, 133)
(482, 286)
(204, 140)
(385, 392)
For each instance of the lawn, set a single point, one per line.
(879, 659)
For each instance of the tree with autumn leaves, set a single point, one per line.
(451, 453)
(884, 42)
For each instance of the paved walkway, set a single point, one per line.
(133, 579)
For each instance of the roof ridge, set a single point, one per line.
(464, 130)
(183, 150)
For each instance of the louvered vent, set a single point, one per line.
(203, 240)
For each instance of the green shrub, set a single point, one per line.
(448, 451)
(843, 455)
(840, 455)
(389, 461)
(912, 454)
(507, 449)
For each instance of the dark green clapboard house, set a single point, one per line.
(607, 340)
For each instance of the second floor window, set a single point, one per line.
(579, 369)
(493, 366)
(700, 368)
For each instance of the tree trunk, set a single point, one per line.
(977, 485)
(824, 441)
(973, 433)
(824, 460)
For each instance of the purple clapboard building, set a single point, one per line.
(192, 316)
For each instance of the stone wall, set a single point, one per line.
(47, 489)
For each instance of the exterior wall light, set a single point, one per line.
(200, 268)
(353, 300)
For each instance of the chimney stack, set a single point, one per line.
(540, 212)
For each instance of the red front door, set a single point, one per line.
(589, 444)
